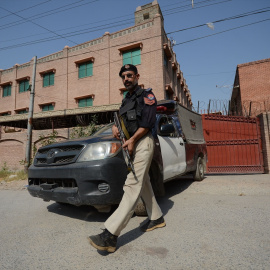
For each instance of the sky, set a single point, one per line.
(211, 38)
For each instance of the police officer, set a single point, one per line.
(138, 111)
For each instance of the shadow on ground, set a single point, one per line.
(90, 214)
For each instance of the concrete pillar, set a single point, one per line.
(265, 133)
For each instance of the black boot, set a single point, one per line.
(150, 225)
(104, 241)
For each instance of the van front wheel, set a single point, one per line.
(140, 209)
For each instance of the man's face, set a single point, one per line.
(130, 79)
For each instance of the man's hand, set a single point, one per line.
(115, 132)
(129, 144)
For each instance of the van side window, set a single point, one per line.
(168, 120)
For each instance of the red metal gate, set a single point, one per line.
(233, 144)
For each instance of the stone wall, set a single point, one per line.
(13, 145)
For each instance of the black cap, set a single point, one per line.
(128, 67)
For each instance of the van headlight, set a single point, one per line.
(100, 150)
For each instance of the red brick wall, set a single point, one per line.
(254, 80)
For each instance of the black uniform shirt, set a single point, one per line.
(148, 103)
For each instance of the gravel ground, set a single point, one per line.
(13, 185)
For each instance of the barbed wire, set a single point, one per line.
(253, 108)
(226, 107)
(212, 106)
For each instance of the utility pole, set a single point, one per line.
(30, 117)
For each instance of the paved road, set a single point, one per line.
(220, 223)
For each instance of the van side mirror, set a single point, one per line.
(166, 130)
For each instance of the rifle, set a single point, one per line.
(123, 140)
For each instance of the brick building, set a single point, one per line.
(251, 97)
(77, 82)
(251, 92)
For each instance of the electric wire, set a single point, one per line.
(28, 20)
(92, 82)
(180, 9)
(143, 53)
(59, 36)
(27, 8)
(47, 13)
(85, 31)
(52, 11)
(148, 80)
(246, 14)
(199, 37)
(67, 35)
(95, 22)
(180, 43)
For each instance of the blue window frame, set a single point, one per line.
(132, 57)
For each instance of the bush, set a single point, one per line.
(86, 131)
(21, 175)
(4, 171)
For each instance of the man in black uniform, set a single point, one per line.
(138, 111)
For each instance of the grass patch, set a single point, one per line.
(18, 175)
(5, 174)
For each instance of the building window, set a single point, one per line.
(165, 60)
(125, 93)
(86, 69)
(132, 57)
(48, 79)
(22, 111)
(6, 90)
(23, 86)
(47, 107)
(146, 16)
(85, 102)
(5, 114)
(168, 95)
